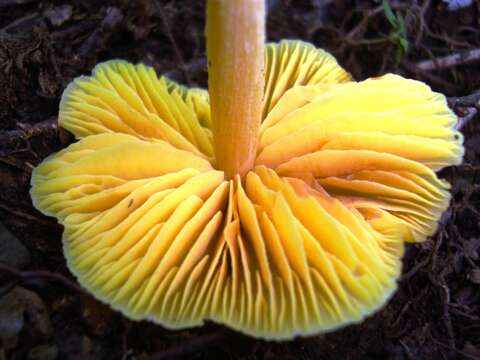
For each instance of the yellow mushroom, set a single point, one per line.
(278, 203)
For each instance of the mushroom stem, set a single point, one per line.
(235, 45)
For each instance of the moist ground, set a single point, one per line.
(435, 314)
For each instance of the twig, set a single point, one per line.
(437, 278)
(16, 163)
(434, 254)
(458, 309)
(406, 349)
(10, 140)
(361, 25)
(169, 34)
(5, 3)
(191, 347)
(449, 61)
(26, 216)
(465, 101)
(414, 69)
(112, 19)
(18, 22)
(421, 19)
(469, 106)
(462, 121)
(192, 67)
(27, 131)
(29, 276)
(126, 352)
(73, 30)
(415, 269)
(463, 353)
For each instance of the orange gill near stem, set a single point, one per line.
(235, 45)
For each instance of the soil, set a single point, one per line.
(435, 314)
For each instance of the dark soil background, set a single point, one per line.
(435, 314)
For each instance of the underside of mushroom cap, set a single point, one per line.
(309, 240)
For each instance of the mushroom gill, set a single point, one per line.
(173, 213)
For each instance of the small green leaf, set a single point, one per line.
(403, 43)
(401, 24)
(387, 9)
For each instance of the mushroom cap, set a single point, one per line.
(310, 240)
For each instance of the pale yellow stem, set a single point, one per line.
(235, 46)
